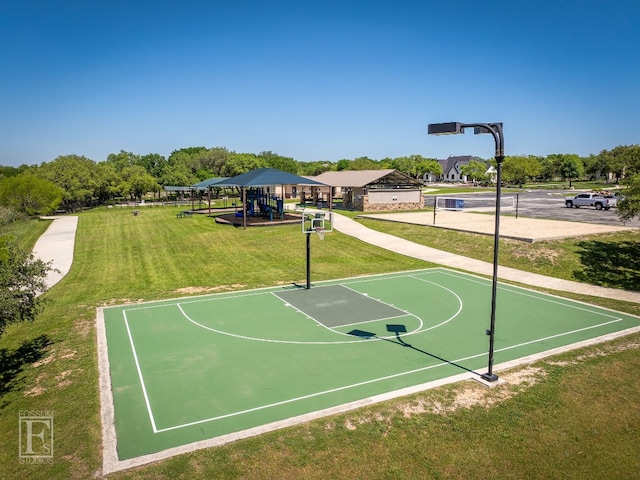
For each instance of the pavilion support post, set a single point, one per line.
(244, 208)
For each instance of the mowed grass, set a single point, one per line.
(572, 416)
(156, 255)
(25, 232)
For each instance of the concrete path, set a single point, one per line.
(56, 246)
(405, 247)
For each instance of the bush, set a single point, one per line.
(8, 215)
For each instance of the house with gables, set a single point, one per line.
(452, 168)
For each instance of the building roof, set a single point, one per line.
(460, 160)
(361, 178)
(266, 176)
(209, 182)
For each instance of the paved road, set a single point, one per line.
(549, 204)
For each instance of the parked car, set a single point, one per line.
(597, 200)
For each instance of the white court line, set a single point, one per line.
(550, 337)
(110, 455)
(332, 329)
(267, 340)
(267, 290)
(538, 295)
(144, 388)
(373, 380)
(298, 342)
(345, 387)
(378, 320)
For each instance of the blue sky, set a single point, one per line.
(316, 80)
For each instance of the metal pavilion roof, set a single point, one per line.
(209, 182)
(267, 176)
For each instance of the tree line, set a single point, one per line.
(73, 181)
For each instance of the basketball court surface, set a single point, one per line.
(183, 374)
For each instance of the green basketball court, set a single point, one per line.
(182, 374)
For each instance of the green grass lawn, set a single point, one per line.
(570, 416)
(26, 232)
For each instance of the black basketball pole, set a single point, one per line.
(308, 260)
(495, 129)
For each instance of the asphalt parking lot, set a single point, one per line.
(549, 204)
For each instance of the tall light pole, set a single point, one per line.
(495, 129)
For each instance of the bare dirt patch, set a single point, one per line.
(466, 395)
(218, 288)
(472, 394)
(84, 328)
(603, 350)
(37, 389)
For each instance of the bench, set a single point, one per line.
(186, 213)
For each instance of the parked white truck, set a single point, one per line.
(597, 200)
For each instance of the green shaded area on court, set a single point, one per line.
(192, 369)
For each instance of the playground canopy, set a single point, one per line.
(263, 177)
(209, 182)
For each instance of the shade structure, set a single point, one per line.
(263, 177)
(209, 182)
(267, 176)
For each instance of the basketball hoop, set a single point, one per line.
(320, 223)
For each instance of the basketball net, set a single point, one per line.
(320, 231)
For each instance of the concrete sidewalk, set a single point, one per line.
(405, 247)
(56, 246)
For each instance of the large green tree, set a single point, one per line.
(548, 168)
(476, 171)
(136, 182)
(124, 159)
(239, 163)
(177, 175)
(364, 163)
(428, 165)
(193, 159)
(343, 164)
(22, 280)
(313, 168)
(571, 167)
(518, 169)
(596, 166)
(75, 174)
(273, 160)
(153, 163)
(629, 204)
(406, 165)
(108, 179)
(30, 194)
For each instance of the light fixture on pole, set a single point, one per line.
(495, 129)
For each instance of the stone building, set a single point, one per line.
(373, 190)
